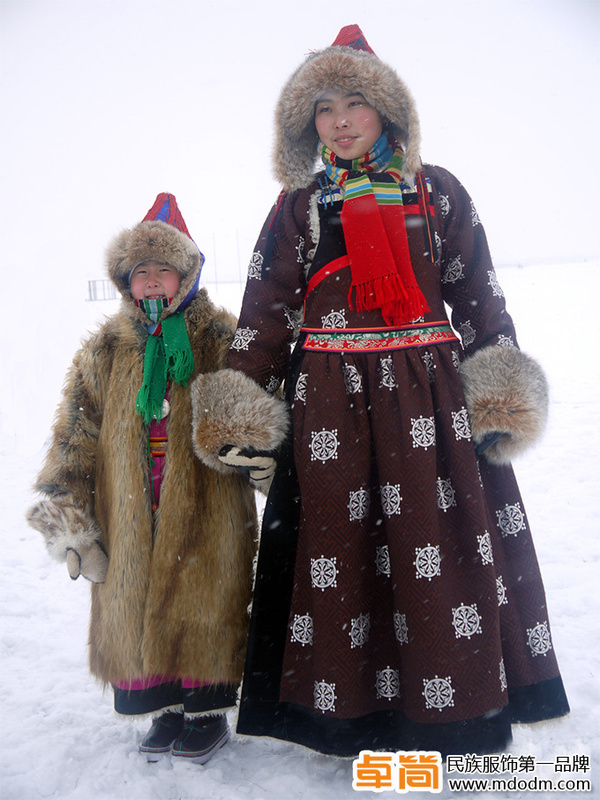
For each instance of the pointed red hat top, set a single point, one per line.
(165, 209)
(352, 36)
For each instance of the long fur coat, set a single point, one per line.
(176, 593)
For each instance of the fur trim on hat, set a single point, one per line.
(158, 241)
(506, 392)
(229, 408)
(346, 70)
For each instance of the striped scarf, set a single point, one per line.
(168, 356)
(375, 232)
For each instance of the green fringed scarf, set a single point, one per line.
(168, 356)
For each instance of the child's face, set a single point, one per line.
(150, 279)
(347, 124)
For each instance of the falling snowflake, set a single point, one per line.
(359, 504)
(438, 692)
(387, 683)
(538, 639)
(324, 445)
(466, 621)
(485, 548)
(359, 630)
(325, 696)
(422, 431)
(242, 338)
(390, 499)
(323, 573)
(428, 561)
(460, 423)
(302, 629)
(352, 379)
(400, 627)
(382, 560)
(511, 520)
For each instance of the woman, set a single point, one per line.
(398, 601)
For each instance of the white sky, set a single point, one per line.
(107, 102)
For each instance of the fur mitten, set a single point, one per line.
(506, 393)
(71, 536)
(231, 411)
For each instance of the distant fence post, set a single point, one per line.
(101, 290)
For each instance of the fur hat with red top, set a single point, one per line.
(161, 236)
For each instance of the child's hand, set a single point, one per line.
(90, 561)
(71, 535)
(257, 464)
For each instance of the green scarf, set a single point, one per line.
(168, 356)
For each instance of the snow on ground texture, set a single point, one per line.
(60, 735)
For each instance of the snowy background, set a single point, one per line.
(104, 104)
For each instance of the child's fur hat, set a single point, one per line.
(161, 236)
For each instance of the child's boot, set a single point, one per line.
(201, 737)
(165, 729)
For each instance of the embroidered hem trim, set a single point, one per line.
(378, 339)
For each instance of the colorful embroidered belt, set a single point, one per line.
(377, 339)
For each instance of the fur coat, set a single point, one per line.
(176, 593)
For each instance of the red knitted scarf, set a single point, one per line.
(375, 233)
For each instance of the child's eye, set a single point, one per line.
(321, 109)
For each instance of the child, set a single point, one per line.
(398, 602)
(166, 541)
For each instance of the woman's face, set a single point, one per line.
(347, 124)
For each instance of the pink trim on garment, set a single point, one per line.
(137, 684)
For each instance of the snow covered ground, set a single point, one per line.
(60, 736)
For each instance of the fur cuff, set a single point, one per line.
(506, 392)
(64, 526)
(229, 408)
